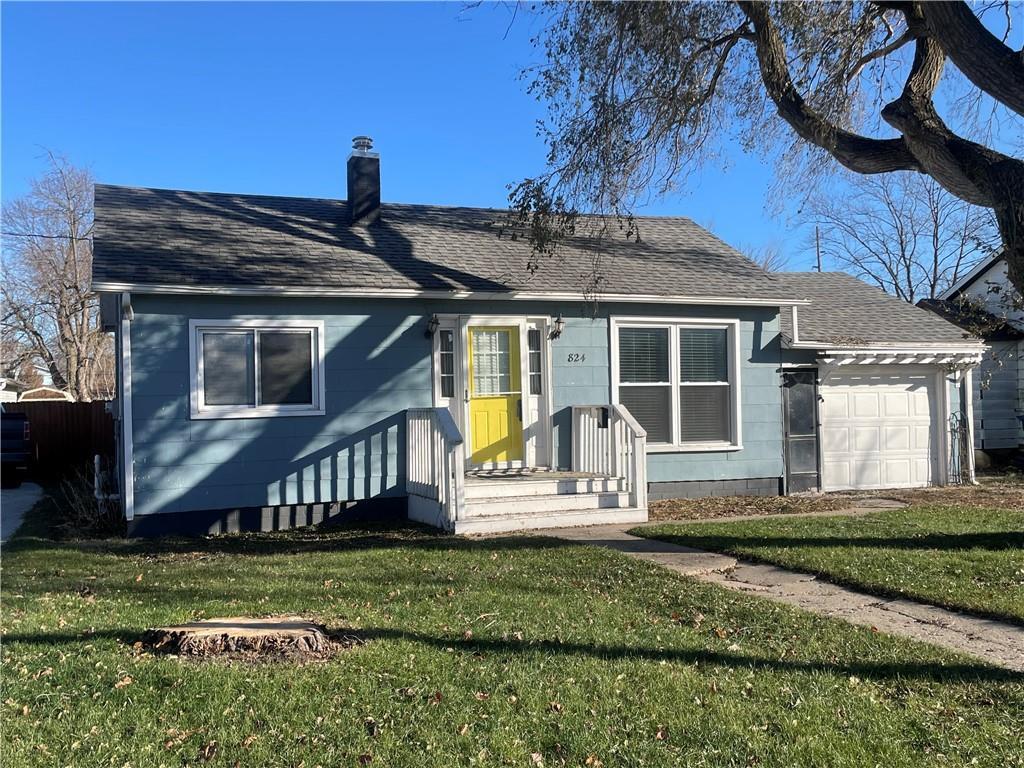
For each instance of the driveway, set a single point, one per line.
(14, 503)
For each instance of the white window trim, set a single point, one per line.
(199, 410)
(732, 325)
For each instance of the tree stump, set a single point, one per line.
(278, 637)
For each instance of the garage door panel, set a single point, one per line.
(835, 439)
(898, 471)
(866, 439)
(898, 438)
(878, 430)
(865, 405)
(896, 404)
(836, 408)
(867, 473)
(836, 474)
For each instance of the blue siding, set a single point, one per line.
(377, 365)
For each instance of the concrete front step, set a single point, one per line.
(503, 506)
(539, 521)
(496, 488)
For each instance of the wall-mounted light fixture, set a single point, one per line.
(557, 327)
(432, 325)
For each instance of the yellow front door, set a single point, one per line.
(495, 395)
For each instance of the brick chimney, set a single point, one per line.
(363, 182)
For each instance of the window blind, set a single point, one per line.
(643, 355)
(704, 414)
(652, 407)
(703, 354)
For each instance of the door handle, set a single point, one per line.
(467, 395)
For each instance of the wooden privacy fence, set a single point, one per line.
(66, 435)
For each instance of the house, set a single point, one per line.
(284, 360)
(10, 389)
(985, 303)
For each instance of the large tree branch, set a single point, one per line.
(858, 153)
(991, 65)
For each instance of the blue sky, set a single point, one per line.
(264, 98)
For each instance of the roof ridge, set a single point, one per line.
(390, 203)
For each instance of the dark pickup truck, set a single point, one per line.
(15, 448)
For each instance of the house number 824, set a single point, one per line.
(576, 357)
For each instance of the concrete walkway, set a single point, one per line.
(14, 504)
(993, 641)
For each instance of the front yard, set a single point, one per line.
(961, 557)
(514, 651)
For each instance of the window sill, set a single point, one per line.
(255, 413)
(693, 448)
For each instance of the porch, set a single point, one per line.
(607, 482)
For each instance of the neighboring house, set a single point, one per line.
(281, 360)
(10, 389)
(985, 303)
(45, 393)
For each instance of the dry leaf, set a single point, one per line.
(554, 706)
(481, 696)
(124, 681)
(537, 758)
(207, 751)
(662, 734)
(138, 578)
(463, 729)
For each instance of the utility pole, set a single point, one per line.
(817, 245)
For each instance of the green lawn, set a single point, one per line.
(957, 557)
(508, 652)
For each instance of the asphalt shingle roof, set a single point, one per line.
(845, 311)
(195, 239)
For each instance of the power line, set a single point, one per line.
(35, 235)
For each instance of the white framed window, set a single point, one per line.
(680, 379)
(254, 368)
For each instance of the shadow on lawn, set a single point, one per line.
(992, 540)
(892, 670)
(325, 538)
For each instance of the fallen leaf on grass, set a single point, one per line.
(662, 734)
(207, 751)
(124, 682)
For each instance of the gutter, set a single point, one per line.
(415, 293)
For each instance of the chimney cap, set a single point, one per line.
(362, 143)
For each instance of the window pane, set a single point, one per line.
(228, 377)
(802, 402)
(703, 354)
(650, 406)
(492, 372)
(643, 354)
(447, 363)
(533, 339)
(704, 414)
(533, 359)
(803, 455)
(286, 368)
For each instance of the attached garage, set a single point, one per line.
(887, 379)
(879, 429)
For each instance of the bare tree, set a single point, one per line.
(768, 257)
(903, 232)
(49, 313)
(639, 94)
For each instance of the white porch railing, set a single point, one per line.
(607, 440)
(435, 467)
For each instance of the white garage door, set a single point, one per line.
(878, 430)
